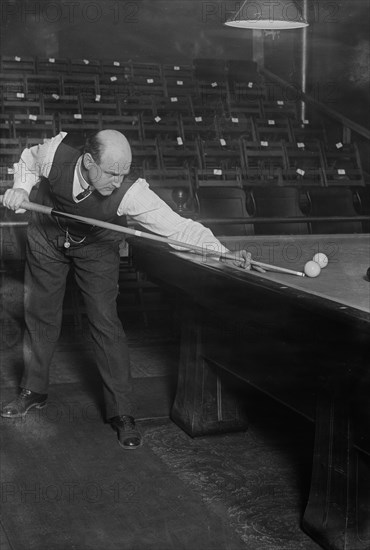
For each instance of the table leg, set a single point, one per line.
(337, 515)
(204, 403)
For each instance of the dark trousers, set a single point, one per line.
(96, 268)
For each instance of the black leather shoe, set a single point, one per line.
(128, 435)
(23, 403)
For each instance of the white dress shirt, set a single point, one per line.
(139, 203)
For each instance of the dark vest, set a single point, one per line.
(57, 191)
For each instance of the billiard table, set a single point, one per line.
(302, 341)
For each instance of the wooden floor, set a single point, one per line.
(67, 484)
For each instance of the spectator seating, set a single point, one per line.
(145, 154)
(221, 154)
(19, 102)
(305, 164)
(52, 65)
(265, 163)
(42, 126)
(235, 127)
(278, 202)
(6, 125)
(85, 66)
(272, 129)
(17, 64)
(213, 124)
(78, 123)
(342, 164)
(223, 203)
(329, 202)
(130, 126)
(10, 150)
(165, 126)
(176, 153)
(175, 187)
(202, 126)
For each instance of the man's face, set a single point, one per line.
(108, 174)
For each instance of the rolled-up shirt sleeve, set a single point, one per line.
(146, 208)
(35, 162)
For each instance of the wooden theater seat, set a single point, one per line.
(240, 70)
(147, 70)
(210, 69)
(202, 126)
(145, 154)
(107, 105)
(147, 85)
(55, 103)
(164, 126)
(116, 67)
(135, 105)
(237, 107)
(13, 83)
(271, 129)
(83, 84)
(41, 126)
(279, 108)
(247, 92)
(282, 202)
(6, 176)
(203, 105)
(174, 153)
(305, 164)
(6, 125)
(218, 178)
(85, 66)
(174, 186)
(235, 127)
(52, 65)
(362, 205)
(212, 90)
(307, 130)
(329, 202)
(44, 83)
(172, 104)
(176, 70)
(17, 64)
(10, 150)
(222, 154)
(265, 162)
(223, 203)
(342, 165)
(17, 102)
(179, 86)
(79, 123)
(128, 125)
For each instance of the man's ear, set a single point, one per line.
(87, 160)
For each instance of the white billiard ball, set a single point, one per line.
(312, 269)
(321, 259)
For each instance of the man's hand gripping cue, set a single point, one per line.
(13, 199)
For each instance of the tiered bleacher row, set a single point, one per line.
(214, 139)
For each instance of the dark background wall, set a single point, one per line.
(177, 31)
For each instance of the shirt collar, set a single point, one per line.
(83, 183)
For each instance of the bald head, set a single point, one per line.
(107, 159)
(115, 145)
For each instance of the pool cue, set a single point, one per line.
(49, 211)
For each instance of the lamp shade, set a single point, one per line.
(268, 14)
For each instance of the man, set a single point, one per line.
(88, 178)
